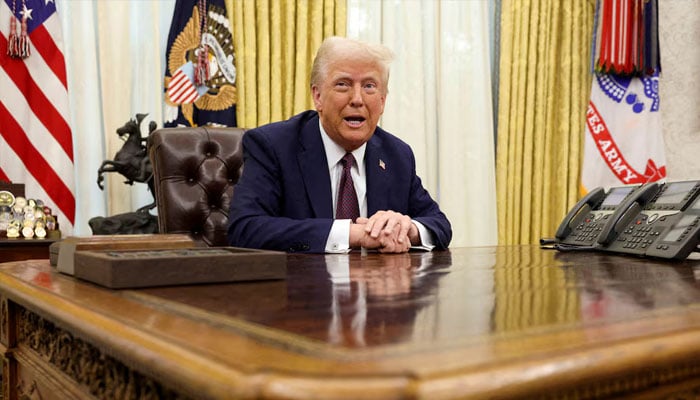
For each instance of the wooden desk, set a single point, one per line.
(17, 249)
(501, 322)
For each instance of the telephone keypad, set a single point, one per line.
(639, 234)
(587, 231)
(657, 220)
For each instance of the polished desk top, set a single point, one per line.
(503, 321)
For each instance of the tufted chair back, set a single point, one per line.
(194, 170)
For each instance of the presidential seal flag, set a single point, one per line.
(624, 142)
(36, 146)
(200, 76)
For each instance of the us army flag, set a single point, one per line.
(624, 142)
(200, 76)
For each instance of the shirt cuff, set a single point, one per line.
(426, 238)
(339, 237)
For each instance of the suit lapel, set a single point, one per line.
(377, 177)
(314, 170)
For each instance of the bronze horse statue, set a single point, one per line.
(132, 159)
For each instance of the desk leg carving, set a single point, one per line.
(5, 378)
(8, 342)
(4, 321)
(32, 393)
(102, 375)
(7, 335)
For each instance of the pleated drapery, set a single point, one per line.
(275, 44)
(440, 101)
(544, 87)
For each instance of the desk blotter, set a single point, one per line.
(119, 269)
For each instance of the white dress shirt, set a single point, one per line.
(339, 237)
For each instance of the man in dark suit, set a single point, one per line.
(331, 180)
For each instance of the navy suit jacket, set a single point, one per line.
(283, 199)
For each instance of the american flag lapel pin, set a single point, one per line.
(381, 164)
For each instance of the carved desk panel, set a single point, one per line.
(494, 322)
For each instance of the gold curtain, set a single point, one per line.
(275, 42)
(543, 92)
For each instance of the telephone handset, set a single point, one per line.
(667, 227)
(582, 208)
(657, 220)
(584, 222)
(628, 210)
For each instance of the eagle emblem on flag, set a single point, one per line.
(201, 75)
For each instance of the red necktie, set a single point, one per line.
(347, 207)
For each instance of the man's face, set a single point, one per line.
(350, 101)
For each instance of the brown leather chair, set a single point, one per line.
(194, 170)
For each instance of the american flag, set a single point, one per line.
(36, 146)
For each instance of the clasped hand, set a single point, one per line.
(385, 231)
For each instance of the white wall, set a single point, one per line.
(679, 87)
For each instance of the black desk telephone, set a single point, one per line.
(658, 220)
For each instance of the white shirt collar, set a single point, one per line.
(335, 152)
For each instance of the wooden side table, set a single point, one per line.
(18, 249)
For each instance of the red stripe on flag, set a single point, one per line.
(181, 90)
(43, 108)
(185, 97)
(3, 176)
(52, 55)
(605, 36)
(36, 164)
(632, 32)
(616, 31)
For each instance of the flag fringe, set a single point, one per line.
(625, 38)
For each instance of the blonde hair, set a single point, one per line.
(336, 48)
